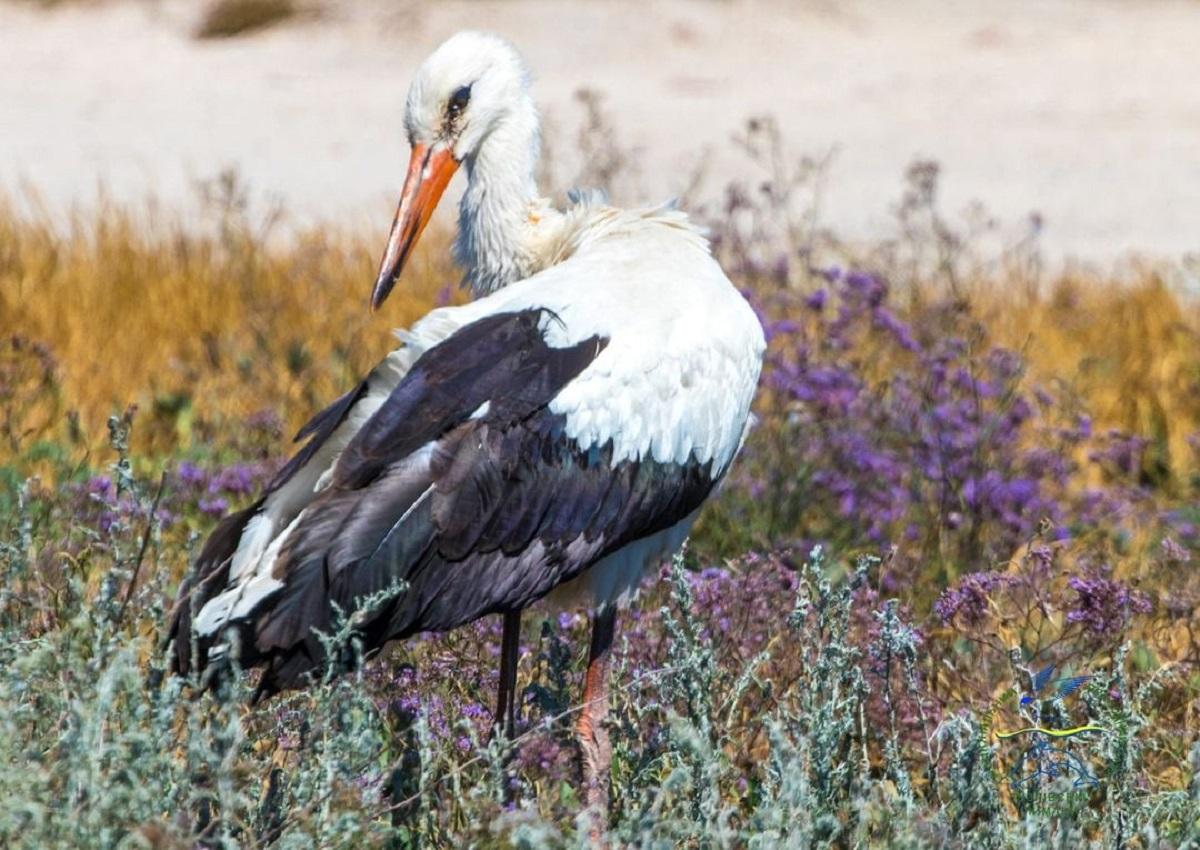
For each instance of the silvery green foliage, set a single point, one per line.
(100, 749)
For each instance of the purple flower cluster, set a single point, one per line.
(237, 479)
(1120, 454)
(265, 423)
(97, 505)
(448, 679)
(1087, 605)
(1172, 552)
(969, 598)
(884, 432)
(190, 489)
(1104, 606)
(211, 490)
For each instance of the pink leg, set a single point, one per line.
(594, 746)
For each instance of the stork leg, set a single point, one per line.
(505, 719)
(594, 746)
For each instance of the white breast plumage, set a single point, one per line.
(684, 351)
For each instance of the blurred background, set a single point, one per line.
(970, 230)
(1086, 112)
(189, 185)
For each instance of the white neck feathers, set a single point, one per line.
(494, 215)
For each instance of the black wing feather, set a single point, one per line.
(320, 428)
(207, 579)
(478, 510)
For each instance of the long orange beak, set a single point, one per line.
(429, 171)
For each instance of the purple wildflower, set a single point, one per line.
(213, 506)
(99, 487)
(238, 479)
(969, 599)
(1104, 606)
(1172, 551)
(191, 475)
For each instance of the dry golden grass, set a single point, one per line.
(1128, 350)
(196, 330)
(202, 324)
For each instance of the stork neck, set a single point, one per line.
(493, 220)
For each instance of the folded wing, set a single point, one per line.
(464, 486)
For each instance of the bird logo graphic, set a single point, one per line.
(1063, 687)
(1043, 705)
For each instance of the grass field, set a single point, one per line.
(965, 470)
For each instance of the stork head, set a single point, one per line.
(462, 94)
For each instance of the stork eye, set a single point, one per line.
(458, 101)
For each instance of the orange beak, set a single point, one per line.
(429, 171)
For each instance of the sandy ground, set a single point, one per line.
(1087, 111)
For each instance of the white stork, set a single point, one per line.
(558, 435)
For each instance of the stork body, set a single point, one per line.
(556, 436)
